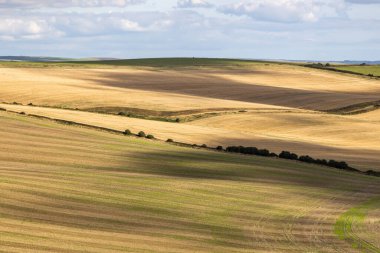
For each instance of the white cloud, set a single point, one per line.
(12, 28)
(285, 10)
(193, 4)
(66, 3)
(127, 25)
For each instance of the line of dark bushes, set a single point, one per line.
(341, 165)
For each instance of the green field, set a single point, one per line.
(364, 70)
(148, 62)
(72, 189)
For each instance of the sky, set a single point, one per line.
(251, 29)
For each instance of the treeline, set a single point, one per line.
(341, 165)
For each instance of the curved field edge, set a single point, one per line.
(353, 218)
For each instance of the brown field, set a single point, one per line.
(71, 189)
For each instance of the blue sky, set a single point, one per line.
(260, 29)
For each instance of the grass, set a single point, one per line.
(348, 222)
(72, 189)
(363, 70)
(148, 62)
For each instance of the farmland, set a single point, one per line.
(82, 186)
(364, 70)
(73, 189)
(278, 106)
(350, 138)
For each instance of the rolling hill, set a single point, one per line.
(279, 106)
(73, 189)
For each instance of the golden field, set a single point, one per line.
(73, 189)
(304, 132)
(267, 105)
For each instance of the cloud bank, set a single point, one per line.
(293, 29)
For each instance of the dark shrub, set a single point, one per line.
(370, 75)
(30, 104)
(263, 152)
(327, 65)
(273, 155)
(121, 114)
(306, 159)
(288, 155)
(251, 151)
(22, 113)
(204, 146)
(127, 132)
(150, 137)
(321, 162)
(177, 120)
(169, 140)
(141, 134)
(2, 109)
(373, 173)
(231, 149)
(220, 148)
(338, 165)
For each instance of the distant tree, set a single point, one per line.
(263, 152)
(288, 155)
(149, 136)
(327, 65)
(204, 146)
(121, 114)
(306, 159)
(169, 140)
(141, 134)
(220, 148)
(127, 132)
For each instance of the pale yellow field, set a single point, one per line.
(252, 86)
(304, 132)
(373, 116)
(69, 189)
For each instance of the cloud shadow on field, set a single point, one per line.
(196, 165)
(208, 85)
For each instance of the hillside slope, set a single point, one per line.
(71, 189)
(320, 135)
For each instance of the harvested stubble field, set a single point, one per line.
(73, 189)
(232, 102)
(348, 138)
(171, 88)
